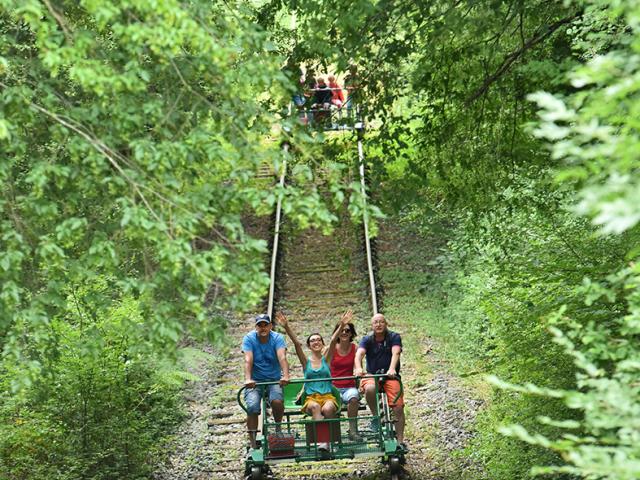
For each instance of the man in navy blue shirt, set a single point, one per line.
(382, 349)
(265, 360)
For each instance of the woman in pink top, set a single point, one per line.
(341, 365)
(337, 97)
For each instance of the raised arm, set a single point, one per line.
(282, 320)
(344, 321)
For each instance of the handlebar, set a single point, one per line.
(329, 88)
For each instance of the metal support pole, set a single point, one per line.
(276, 235)
(363, 188)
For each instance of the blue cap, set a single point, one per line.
(263, 317)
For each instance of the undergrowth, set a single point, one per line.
(480, 327)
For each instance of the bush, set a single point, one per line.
(100, 404)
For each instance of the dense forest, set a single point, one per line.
(131, 135)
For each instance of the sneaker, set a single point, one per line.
(374, 425)
(355, 437)
(323, 446)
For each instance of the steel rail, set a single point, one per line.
(365, 219)
(276, 235)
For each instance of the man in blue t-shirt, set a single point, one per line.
(382, 348)
(265, 360)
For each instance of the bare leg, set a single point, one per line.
(370, 395)
(277, 407)
(314, 410)
(399, 413)
(352, 413)
(252, 427)
(328, 410)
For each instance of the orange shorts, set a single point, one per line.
(390, 387)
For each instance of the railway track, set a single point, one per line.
(319, 277)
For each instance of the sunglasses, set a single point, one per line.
(346, 330)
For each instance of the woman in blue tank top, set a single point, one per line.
(320, 402)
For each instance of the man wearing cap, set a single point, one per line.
(265, 360)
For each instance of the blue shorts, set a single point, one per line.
(253, 397)
(349, 393)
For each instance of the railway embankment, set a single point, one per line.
(441, 406)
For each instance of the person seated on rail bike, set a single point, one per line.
(321, 99)
(307, 90)
(299, 98)
(320, 401)
(265, 360)
(341, 365)
(382, 348)
(337, 97)
(352, 85)
(310, 85)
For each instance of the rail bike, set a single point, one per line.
(337, 118)
(300, 439)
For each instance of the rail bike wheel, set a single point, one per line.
(395, 467)
(257, 473)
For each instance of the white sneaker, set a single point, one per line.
(323, 446)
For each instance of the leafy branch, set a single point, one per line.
(510, 59)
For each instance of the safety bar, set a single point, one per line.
(335, 109)
(365, 221)
(303, 380)
(324, 89)
(276, 236)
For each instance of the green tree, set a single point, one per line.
(594, 131)
(132, 133)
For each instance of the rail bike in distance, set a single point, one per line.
(332, 118)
